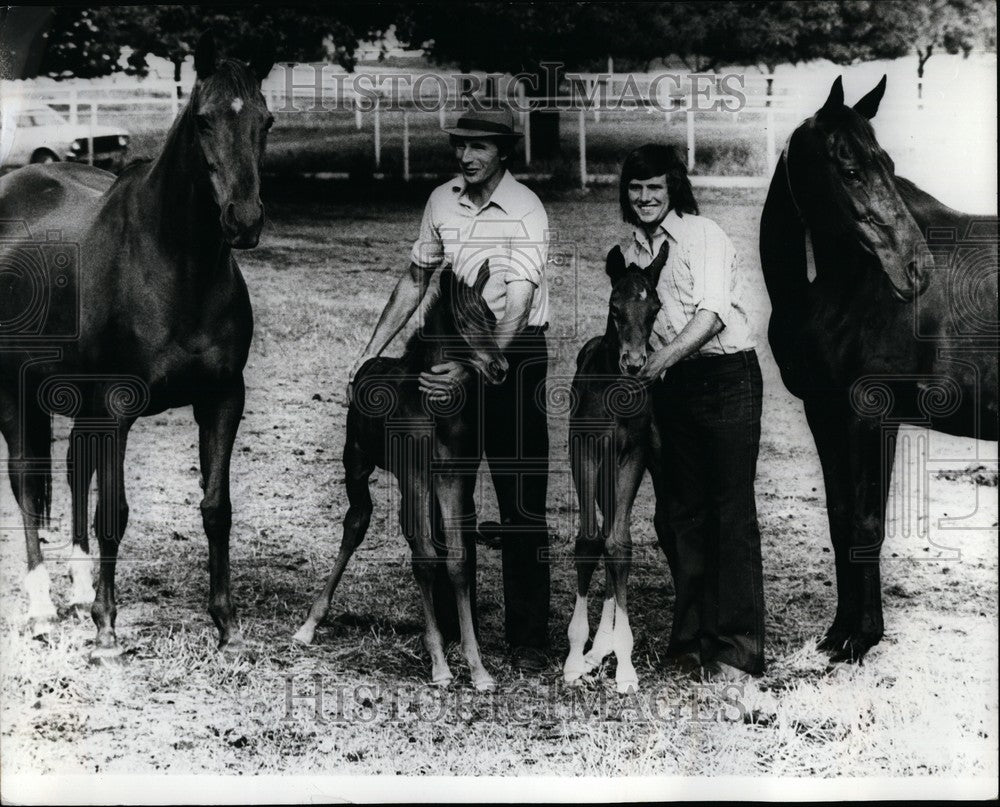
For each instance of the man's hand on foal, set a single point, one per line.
(656, 365)
(443, 380)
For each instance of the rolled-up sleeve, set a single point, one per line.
(712, 260)
(428, 251)
(528, 248)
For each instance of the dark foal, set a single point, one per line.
(612, 442)
(430, 448)
(145, 310)
(895, 322)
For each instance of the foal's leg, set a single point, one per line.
(449, 489)
(218, 417)
(81, 463)
(585, 458)
(358, 468)
(619, 558)
(606, 479)
(110, 521)
(27, 435)
(415, 520)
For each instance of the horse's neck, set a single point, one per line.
(179, 198)
(436, 341)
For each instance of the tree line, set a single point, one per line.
(703, 35)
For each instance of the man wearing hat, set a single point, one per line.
(484, 213)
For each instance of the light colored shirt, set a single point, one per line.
(701, 274)
(511, 230)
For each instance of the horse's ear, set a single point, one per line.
(263, 57)
(654, 269)
(614, 265)
(205, 56)
(836, 98)
(868, 106)
(482, 278)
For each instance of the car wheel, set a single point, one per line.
(44, 156)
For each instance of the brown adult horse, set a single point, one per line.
(433, 450)
(612, 442)
(138, 306)
(895, 323)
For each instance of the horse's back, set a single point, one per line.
(58, 196)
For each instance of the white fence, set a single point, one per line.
(371, 95)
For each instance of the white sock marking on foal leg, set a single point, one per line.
(602, 639)
(578, 633)
(40, 607)
(626, 678)
(81, 572)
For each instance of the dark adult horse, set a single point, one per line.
(433, 450)
(896, 322)
(138, 306)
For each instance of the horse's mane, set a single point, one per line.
(437, 321)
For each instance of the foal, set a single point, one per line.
(428, 446)
(611, 430)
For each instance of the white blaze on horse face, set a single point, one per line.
(237, 105)
(642, 294)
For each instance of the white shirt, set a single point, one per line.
(511, 230)
(701, 274)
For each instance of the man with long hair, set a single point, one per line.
(706, 393)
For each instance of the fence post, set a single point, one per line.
(769, 128)
(90, 134)
(406, 146)
(583, 147)
(378, 135)
(690, 139)
(525, 113)
(74, 112)
(357, 115)
(442, 105)
(175, 99)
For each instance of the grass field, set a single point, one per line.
(923, 704)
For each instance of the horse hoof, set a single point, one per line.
(629, 686)
(486, 684)
(41, 626)
(442, 681)
(574, 673)
(304, 635)
(232, 647)
(104, 654)
(81, 611)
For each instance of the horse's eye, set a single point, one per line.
(851, 175)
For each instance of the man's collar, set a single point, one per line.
(670, 226)
(504, 193)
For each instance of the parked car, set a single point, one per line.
(41, 135)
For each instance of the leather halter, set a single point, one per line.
(810, 253)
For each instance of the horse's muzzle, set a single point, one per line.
(241, 226)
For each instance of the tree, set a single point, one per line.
(538, 40)
(932, 25)
(87, 42)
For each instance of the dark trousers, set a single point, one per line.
(515, 440)
(707, 411)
